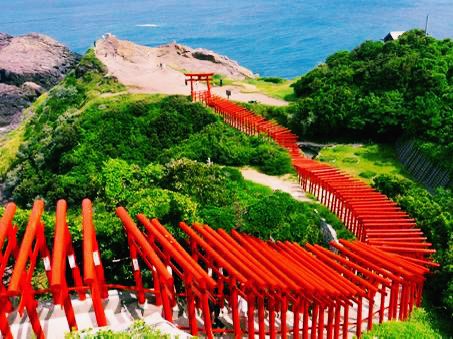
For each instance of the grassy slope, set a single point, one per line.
(364, 161)
(282, 90)
(10, 142)
(419, 325)
(9, 145)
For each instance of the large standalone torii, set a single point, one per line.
(199, 77)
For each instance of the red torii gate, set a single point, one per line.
(199, 77)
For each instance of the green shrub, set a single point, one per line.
(273, 80)
(205, 183)
(280, 217)
(419, 325)
(227, 146)
(138, 330)
(367, 174)
(434, 215)
(271, 160)
(380, 91)
(219, 217)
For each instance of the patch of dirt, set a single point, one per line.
(284, 183)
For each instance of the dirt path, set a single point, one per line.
(284, 184)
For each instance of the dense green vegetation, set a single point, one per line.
(75, 130)
(382, 90)
(434, 215)
(419, 325)
(379, 91)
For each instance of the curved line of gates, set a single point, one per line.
(275, 277)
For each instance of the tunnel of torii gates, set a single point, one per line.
(290, 290)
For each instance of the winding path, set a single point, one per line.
(283, 184)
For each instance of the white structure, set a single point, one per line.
(393, 35)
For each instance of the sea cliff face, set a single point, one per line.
(29, 65)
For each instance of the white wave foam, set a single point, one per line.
(147, 25)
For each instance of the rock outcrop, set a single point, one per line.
(211, 61)
(29, 65)
(176, 56)
(161, 70)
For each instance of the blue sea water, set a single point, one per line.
(271, 37)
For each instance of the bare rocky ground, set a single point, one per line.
(29, 65)
(161, 69)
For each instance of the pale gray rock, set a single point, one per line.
(29, 65)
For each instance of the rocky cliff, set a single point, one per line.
(29, 65)
(176, 56)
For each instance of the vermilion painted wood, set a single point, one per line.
(93, 273)
(196, 280)
(273, 276)
(33, 245)
(7, 233)
(61, 249)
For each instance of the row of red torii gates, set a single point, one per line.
(290, 290)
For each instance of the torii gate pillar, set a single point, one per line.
(195, 77)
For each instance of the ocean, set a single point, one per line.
(271, 37)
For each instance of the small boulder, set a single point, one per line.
(32, 89)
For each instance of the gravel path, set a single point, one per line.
(284, 183)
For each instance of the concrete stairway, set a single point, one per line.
(121, 309)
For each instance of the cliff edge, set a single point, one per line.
(29, 65)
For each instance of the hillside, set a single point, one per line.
(149, 153)
(382, 91)
(169, 158)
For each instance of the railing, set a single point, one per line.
(139, 245)
(420, 167)
(326, 293)
(370, 215)
(159, 250)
